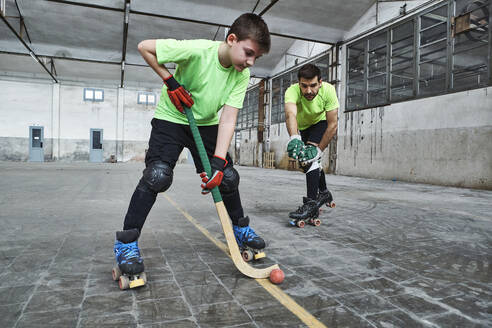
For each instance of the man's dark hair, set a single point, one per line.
(251, 26)
(308, 72)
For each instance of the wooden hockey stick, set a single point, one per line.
(242, 266)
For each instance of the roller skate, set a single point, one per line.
(250, 244)
(325, 198)
(130, 270)
(308, 212)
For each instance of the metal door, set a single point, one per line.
(96, 149)
(36, 139)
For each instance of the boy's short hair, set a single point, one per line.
(308, 72)
(251, 26)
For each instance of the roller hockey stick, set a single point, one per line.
(242, 266)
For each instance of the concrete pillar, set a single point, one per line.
(55, 121)
(120, 120)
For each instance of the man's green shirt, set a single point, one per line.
(199, 71)
(311, 112)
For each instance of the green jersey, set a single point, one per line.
(310, 112)
(199, 71)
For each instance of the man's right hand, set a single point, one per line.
(294, 146)
(179, 96)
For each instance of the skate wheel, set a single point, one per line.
(124, 282)
(331, 204)
(247, 255)
(116, 273)
(300, 224)
(317, 222)
(259, 255)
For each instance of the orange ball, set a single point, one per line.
(277, 276)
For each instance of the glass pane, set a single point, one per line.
(434, 17)
(433, 34)
(433, 68)
(376, 90)
(377, 72)
(377, 41)
(276, 100)
(355, 95)
(323, 64)
(377, 62)
(356, 60)
(253, 106)
(470, 56)
(356, 87)
(432, 77)
(402, 83)
(402, 61)
(36, 138)
(96, 140)
(402, 31)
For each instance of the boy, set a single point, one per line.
(312, 107)
(209, 75)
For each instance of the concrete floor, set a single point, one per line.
(391, 254)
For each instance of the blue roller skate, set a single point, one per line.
(250, 244)
(130, 270)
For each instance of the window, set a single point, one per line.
(280, 84)
(356, 75)
(277, 103)
(402, 61)
(470, 45)
(248, 115)
(91, 94)
(146, 98)
(324, 65)
(432, 49)
(376, 70)
(443, 49)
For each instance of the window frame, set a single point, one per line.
(93, 98)
(146, 94)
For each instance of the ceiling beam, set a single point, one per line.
(272, 2)
(188, 20)
(94, 61)
(31, 52)
(22, 22)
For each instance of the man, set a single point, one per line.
(311, 107)
(210, 75)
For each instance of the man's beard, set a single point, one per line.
(310, 96)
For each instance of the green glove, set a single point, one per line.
(310, 154)
(294, 146)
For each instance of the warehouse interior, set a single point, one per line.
(414, 84)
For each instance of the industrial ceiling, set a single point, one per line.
(97, 39)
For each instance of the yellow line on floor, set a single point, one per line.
(274, 290)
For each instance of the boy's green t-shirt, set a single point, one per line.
(200, 72)
(311, 112)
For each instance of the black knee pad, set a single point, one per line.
(158, 176)
(230, 181)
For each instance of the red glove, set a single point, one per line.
(178, 94)
(218, 164)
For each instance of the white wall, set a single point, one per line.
(67, 120)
